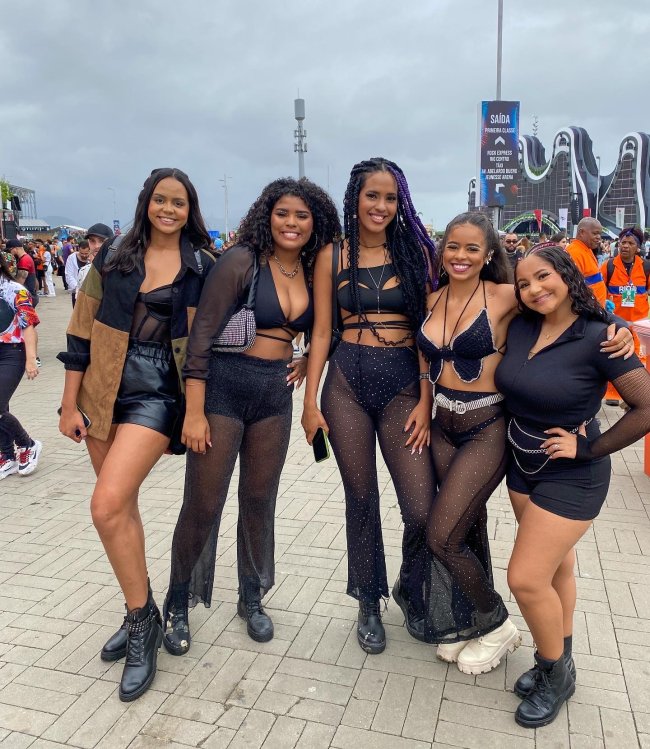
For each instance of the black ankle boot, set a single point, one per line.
(115, 646)
(414, 621)
(144, 635)
(370, 631)
(553, 686)
(176, 636)
(526, 682)
(258, 623)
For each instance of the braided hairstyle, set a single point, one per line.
(255, 228)
(497, 269)
(583, 301)
(411, 248)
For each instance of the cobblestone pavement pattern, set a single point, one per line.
(311, 686)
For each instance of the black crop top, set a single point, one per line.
(374, 298)
(224, 291)
(465, 351)
(152, 315)
(268, 312)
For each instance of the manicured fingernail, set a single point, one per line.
(413, 451)
(420, 451)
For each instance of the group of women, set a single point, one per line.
(167, 348)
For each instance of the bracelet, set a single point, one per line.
(424, 376)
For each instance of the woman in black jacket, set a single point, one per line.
(126, 346)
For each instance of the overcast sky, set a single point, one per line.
(95, 95)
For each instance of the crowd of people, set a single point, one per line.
(445, 356)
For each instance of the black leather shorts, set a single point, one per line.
(149, 392)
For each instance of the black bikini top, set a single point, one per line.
(374, 298)
(465, 351)
(152, 315)
(268, 311)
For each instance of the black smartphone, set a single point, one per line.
(321, 445)
(85, 418)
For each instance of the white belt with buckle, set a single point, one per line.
(461, 407)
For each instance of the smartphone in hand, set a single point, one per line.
(321, 445)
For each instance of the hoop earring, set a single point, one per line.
(310, 246)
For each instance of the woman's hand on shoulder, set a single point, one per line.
(618, 343)
(196, 433)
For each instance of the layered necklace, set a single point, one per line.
(378, 284)
(288, 273)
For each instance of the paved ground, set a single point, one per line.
(311, 686)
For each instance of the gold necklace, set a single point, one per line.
(284, 271)
(374, 246)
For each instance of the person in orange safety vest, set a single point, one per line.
(582, 250)
(627, 278)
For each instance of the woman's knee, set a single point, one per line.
(522, 581)
(109, 510)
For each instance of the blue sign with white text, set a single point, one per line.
(499, 161)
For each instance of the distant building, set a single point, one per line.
(570, 180)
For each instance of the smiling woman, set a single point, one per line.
(126, 344)
(239, 403)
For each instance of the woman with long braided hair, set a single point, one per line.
(374, 388)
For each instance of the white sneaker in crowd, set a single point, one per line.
(28, 458)
(483, 654)
(7, 467)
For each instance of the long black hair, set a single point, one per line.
(410, 246)
(497, 269)
(583, 301)
(255, 228)
(130, 254)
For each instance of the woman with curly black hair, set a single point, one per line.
(560, 472)
(373, 389)
(239, 404)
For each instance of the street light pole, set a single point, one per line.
(112, 189)
(225, 202)
(499, 47)
(597, 188)
(300, 146)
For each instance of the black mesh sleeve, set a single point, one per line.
(634, 387)
(223, 292)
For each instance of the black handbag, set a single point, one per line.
(239, 333)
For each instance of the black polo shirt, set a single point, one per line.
(564, 383)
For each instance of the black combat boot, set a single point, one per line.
(370, 631)
(144, 635)
(258, 623)
(553, 687)
(115, 646)
(414, 621)
(525, 683)
(176, 636)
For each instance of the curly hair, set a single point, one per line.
(497, 269)
(583, 301)
(255, 228)
(410, 246)
(130, 254)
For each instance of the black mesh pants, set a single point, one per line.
(368, 395)
(248, 407)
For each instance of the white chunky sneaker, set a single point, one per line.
(28, 458)
(449, 652)
(7, 466)
(485, 653)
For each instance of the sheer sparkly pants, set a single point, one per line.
(248, 406)
(368, 395)
(470, 457)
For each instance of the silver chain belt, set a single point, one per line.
(461, 407)
(532, 452)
